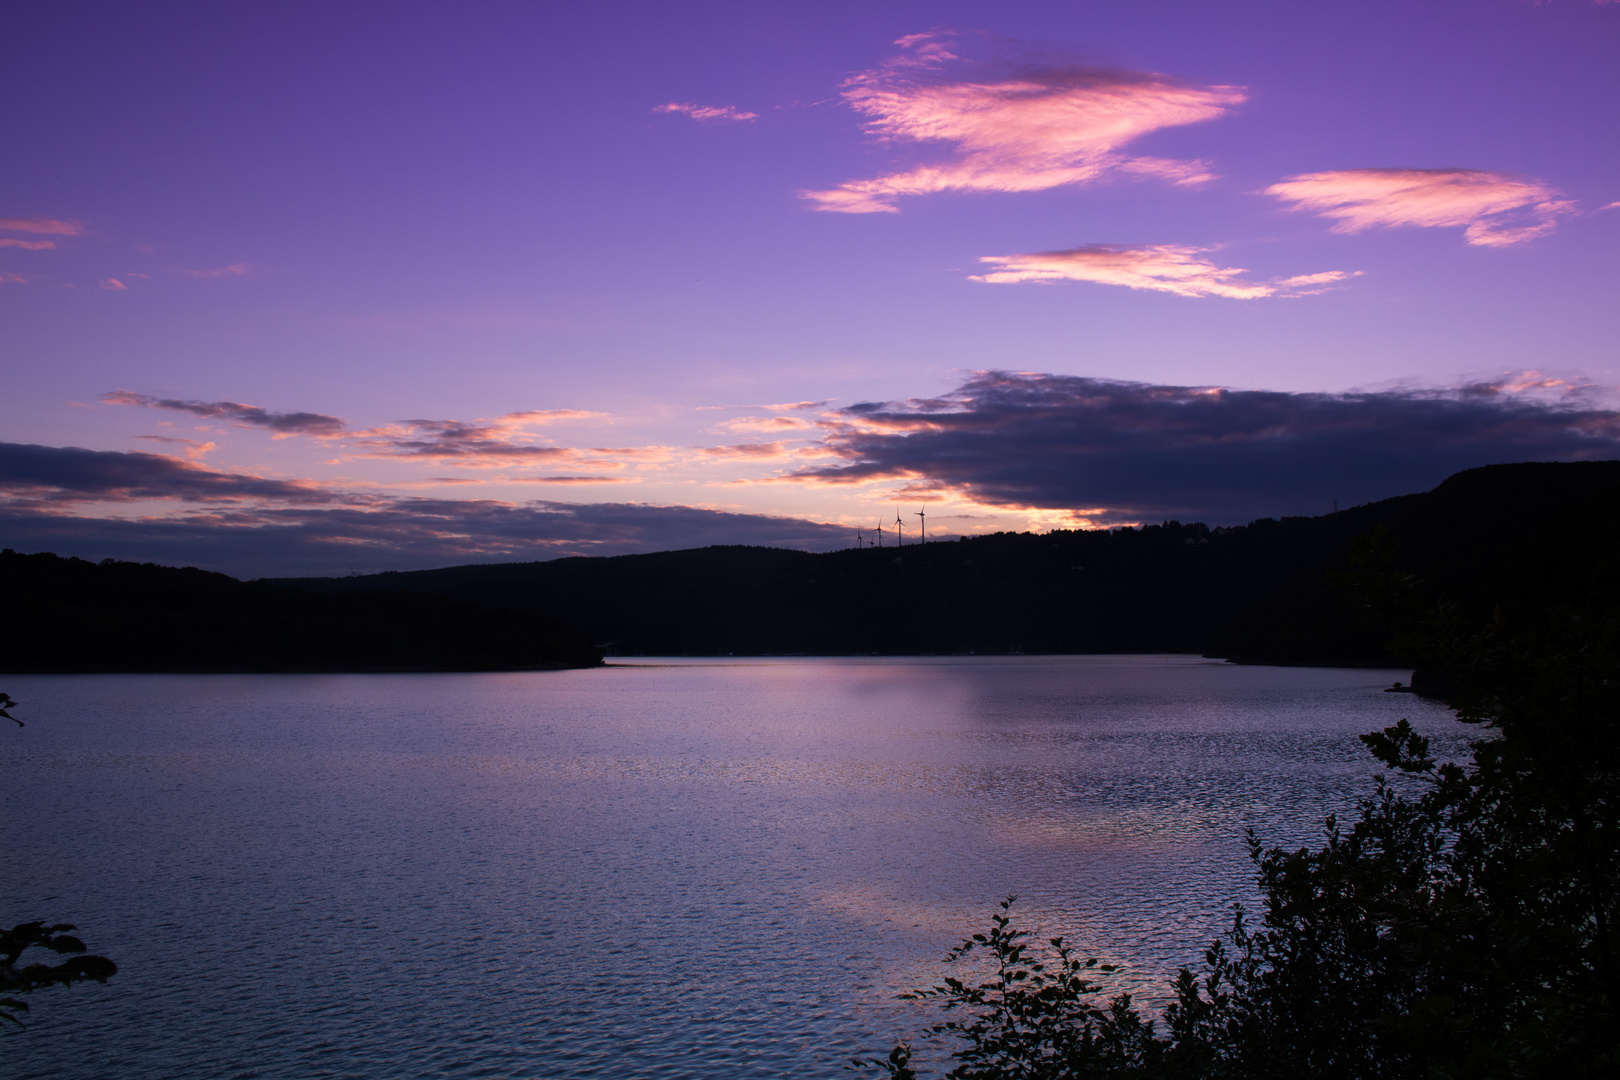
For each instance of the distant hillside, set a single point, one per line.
(1501, 535)
(68, 615)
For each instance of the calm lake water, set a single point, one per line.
(660, 869)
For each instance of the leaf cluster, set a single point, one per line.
(80, 966)
(1032, 1017)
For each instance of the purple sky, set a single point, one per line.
(297, 288)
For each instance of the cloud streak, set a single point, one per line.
(287, 423)
(1122, 451)
(1171, 268)
(233, 270)
(1494, 209)
(706, 112)
(479, 442)
(42, 226)
(1015, 127)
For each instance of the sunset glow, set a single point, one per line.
(295, 290)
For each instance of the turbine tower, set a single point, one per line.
(923, 513)
(899, 529)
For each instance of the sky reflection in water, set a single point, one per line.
(664, 869)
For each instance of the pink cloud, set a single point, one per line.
(568, 480)
(233, 270)
(1171, 268)
(8, 278)
(751, 451)
(767, 424)
(112, 284)
(27, 245)
(1495, 209)
(47, 226)
(1022, 128)
(706, 112)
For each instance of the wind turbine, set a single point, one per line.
(899, 529)
(923, 513)
(880, 532)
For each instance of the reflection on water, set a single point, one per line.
(680, 869)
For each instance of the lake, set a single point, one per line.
(681, 868)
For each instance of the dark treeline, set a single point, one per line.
(68, 615)
(1260, 592)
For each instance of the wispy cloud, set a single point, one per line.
(194, 450)
(749, 451)
(233, 270)
(27, 245)
(1494, 209)
(286, 423)
(1015, 126)
(1170, 268)
(1127, 451)
(706, 112)
(112, 284)
(9, 278)
(567, 480)
(505, 440)
(501, 440)
(42, 226)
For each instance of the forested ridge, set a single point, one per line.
(69, 615)
(1263, 592)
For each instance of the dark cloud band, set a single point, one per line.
(1136, 451)
(69, 474)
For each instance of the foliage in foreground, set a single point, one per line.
(80, 967)
(53, 938)
(1467, 929)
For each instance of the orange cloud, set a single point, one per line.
(1494, 209)
(112, 284)
(45, 226)
(27, 245)
(1028, 128)
(1170, 268)
(706, 112)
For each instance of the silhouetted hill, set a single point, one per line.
(68, 615)
(1506, 534)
